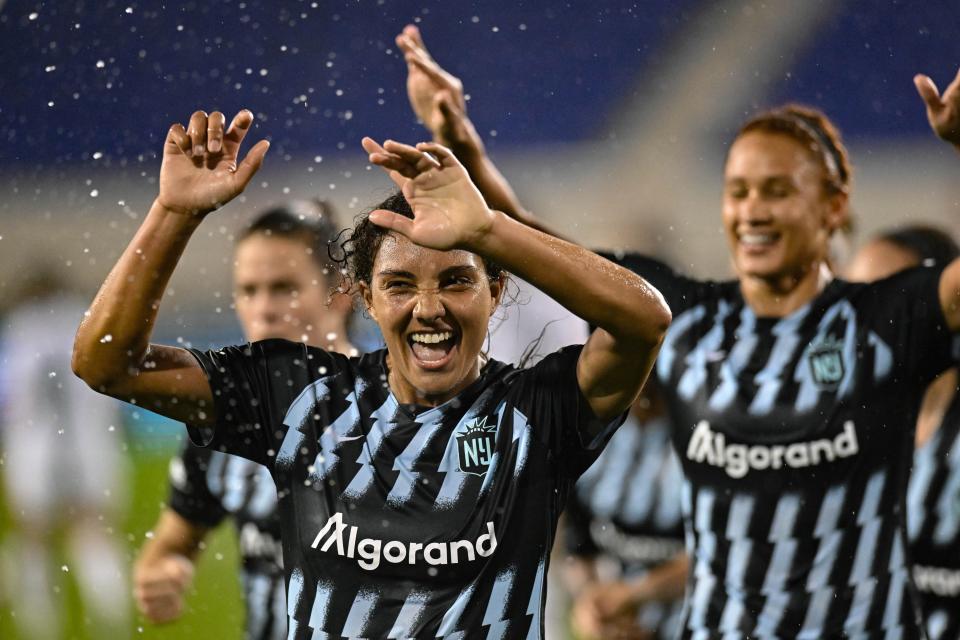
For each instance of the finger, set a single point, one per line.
(954, 86)
(392, 221)
(413, 32)
(197, 130)
(177, 136)
(251, 164)
(443, 155)
(928, 92)
(371, 146)
(215, 125)
(422, 61)
(391, 162)
(413, 155)
(236, 132)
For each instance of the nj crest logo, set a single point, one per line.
(475, 447)
(826, 363)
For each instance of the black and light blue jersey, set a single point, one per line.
(626, 507)
(796, 436)
(933, 527)
(398, 522)
(208, 486)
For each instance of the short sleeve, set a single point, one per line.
(253, 386)
(679, 291)
(190, 495)
(549, 396)
(908, 316)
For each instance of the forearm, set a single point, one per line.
(172, 535)
(114, 338)
(592, 288)
(664, 583)
(496, 190)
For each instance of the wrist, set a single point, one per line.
(483, 240)
(187, 220)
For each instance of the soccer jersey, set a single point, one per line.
(933, 527)
(400, 521)
(627, 507)
(206, 486)
(795, 436)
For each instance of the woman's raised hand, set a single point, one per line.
(436, 95)
(200, 171)
(943, 111)
(449, 212)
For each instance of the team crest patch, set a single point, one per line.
(475, 447)
(826, 362)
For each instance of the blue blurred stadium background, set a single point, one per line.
(611, 118)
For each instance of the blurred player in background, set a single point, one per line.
(933, 497)
(797, 392)
(624, 533)
(284, 287)
(63, 468)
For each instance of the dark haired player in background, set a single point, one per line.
(933, 497)
(794, 394)
(284, 287)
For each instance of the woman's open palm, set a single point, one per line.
(200, 170)
(449, 212)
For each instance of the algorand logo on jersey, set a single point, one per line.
(475, 447)
(710, 447)
(370, 552)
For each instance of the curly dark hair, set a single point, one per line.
(359, 247)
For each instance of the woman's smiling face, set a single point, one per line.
(433, 308)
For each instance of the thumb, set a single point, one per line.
(251, 164)
(444, 102)
(928, 92)
(392, 221)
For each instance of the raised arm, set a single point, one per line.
(112, 351)
(437, 98)
(943, 112)
(449, 213)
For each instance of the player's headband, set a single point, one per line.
(828, 150)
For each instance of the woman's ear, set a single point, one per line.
(497, 288)
(838, 211)
(366, 294)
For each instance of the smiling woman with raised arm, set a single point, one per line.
(793, 393)
(419, 485)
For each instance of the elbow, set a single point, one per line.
(84, 369)
(657, 319)
(90, 370)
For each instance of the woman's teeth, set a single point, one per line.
(431, 338)
(757, 238)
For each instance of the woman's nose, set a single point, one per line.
(429, 305)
